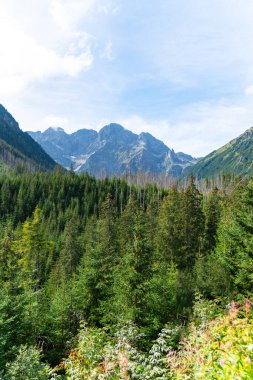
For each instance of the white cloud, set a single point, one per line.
(199, 41)
(170, 58)
(55, 121)
(207, 126)
(108, 6)
(137, 124)
(23, 59)
(249, 90)
(79, 42)
(67, 13)
(108, 52)
(203, 127)
(10, 85)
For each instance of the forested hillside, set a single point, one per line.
(11, 158)
(102, 280)
(17, 148)
(234, 158)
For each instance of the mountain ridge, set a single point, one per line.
(116, 151)
(113, 151)
(18, 147)
(235, 157)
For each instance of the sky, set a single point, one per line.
(181, 70)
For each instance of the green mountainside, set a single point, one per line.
(11, 158)
(236, 158)
(18, 148)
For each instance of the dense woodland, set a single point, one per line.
(103, 280)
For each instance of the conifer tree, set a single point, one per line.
(96, 270)
(34, 251)
(8, 259)
(71, 252)
(212, 217)
(193, 225)
(235, 242)
(170, 233)
(133, 272)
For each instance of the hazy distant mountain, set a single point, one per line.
(236, 157)
(18, 148)
(113, 151)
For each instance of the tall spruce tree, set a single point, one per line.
(71, 252)
(235, 239)
(35, 252)
(212, 217)
(134, 270)
(95, 282)
(8, 259)
(170, 233)
(193, 225)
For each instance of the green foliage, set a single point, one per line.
(169, 236)
(219, 349)
(34, 251)
(192, 225)
(235, 239)
(100, 356)
(8, 259)
(234, 158)
(19, 147)
(211, 276)
(162, 297)
(212, 211)
(12, 324)
(28, 366)
(134, 270)
(93, 358)
(180, 226)
(95, 279)
(127, 260)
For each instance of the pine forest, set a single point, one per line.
(105, 280)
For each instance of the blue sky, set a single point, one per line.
(179, 69)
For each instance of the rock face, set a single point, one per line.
(236, 158)
(18, 147)
(113, 151)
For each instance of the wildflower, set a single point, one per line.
(248, 304)
(222, 361)
(247, 359)
(123, 362)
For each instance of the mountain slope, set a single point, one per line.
(236, 157)
(113, 151)
(18, 147)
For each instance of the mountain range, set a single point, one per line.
(113, 151)
(116, 151)
(18, 148)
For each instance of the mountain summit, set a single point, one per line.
(113, 151)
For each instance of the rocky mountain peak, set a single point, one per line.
(113, 151)
(55, 130)
(112, 128)
(153, 143)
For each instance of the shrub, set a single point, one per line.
(220, 349)
(28, 366)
